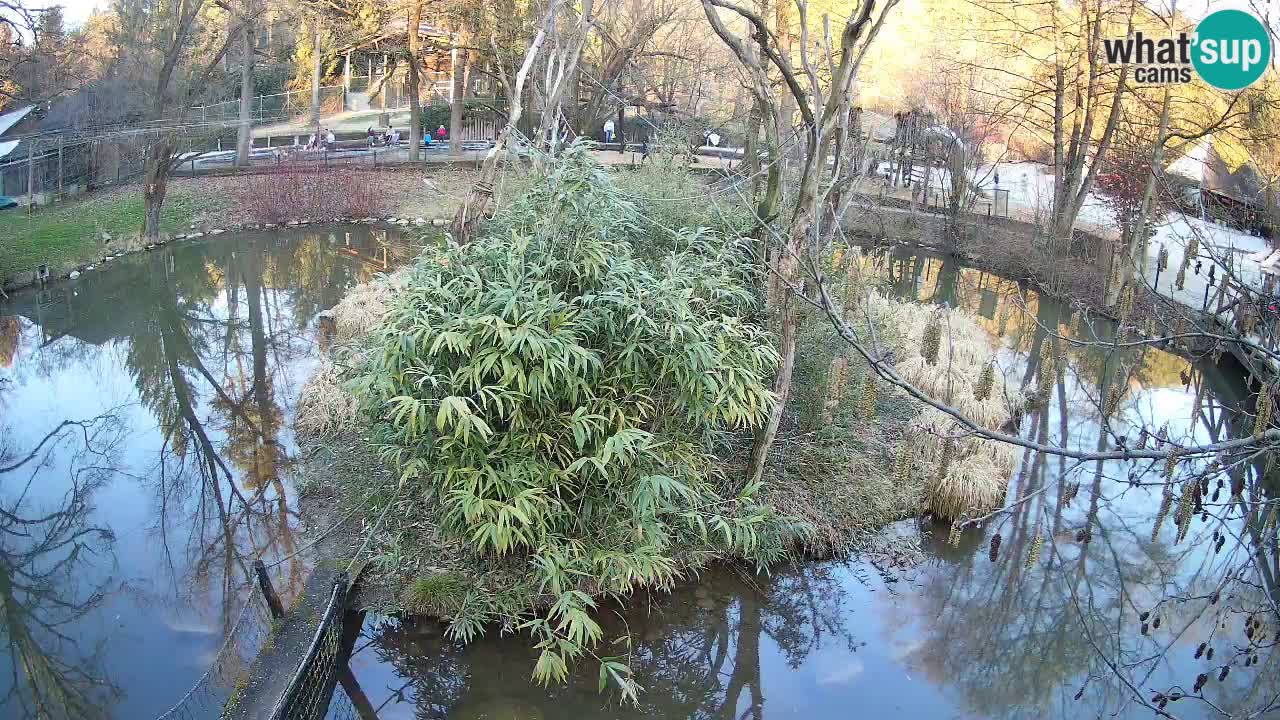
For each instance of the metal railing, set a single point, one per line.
(310, 691)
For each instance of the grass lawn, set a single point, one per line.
(66, 234)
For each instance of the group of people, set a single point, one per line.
(391, 136)
(388, 138)
(321, 140)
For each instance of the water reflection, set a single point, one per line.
(1019, 633)
(141, 550)
(705, 651)
(45, 544)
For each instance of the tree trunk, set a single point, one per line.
(315, 80)
(561, 69)
(156, 180)
(750, 152)
(244, 135)
(790, 106)
(459, 101)
(415, 102)
(788, 306)
(622, 128)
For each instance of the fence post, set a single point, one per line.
(268, 592)
(31, 177)
(61, 184)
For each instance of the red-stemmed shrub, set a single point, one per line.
(296, 192)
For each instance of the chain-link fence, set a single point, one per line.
(45, 168)
(229, 672)
(280, 107)
(308, 695)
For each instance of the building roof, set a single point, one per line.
(9, 119)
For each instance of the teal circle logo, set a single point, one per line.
(1232, 49)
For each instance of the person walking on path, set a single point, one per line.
(608, 130)
(441, 133)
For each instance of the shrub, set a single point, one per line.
(292, 192)
(559, 399)
(671, 196)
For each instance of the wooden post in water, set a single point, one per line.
(268, 592)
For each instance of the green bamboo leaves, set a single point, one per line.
(558, 397)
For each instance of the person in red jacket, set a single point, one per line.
(441, 133)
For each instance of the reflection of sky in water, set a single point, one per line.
(174, 577)
(959, 636)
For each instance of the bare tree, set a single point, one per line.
(477, 205)
(415, 80)
(822, 105)
(567, 37)
(172, 51)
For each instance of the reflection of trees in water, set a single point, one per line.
(203, 362)
(696, 652)
(212, 354)
(46, 584)
(1020, 638)
(10, 336)
(211, 335)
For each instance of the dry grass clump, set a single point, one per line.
(967, 475)
(324, 406)
(364, 306)
(360, 311)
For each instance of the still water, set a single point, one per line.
(958, 635)
(146, 459)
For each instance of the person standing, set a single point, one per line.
(441, 133)
(608, 130)
(330, 140)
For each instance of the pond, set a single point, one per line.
(1056, 632)
(147, 458)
